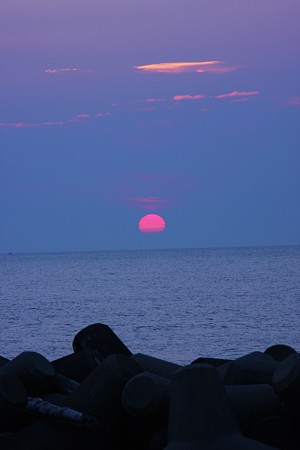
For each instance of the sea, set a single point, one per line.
(175, 305)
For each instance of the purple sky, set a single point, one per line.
(111, 110)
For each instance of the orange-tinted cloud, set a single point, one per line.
(179, 98)
(238, 94)
(182, 67)
(65, 70)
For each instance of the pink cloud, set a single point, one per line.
(187, 97)
(65, 70)
(33, 125)
(76, 119)
(82, 116)
(154, 100)
(183, 67)
(238, 94)
(133, 189)
(220, 69)
(51, 123)
(103, 114)
(15, 124)
(147, 100)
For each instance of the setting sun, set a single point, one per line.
(152, 223)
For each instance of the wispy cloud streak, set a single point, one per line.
(148, 104)
(35, 125)
(82, 116)
(154, 100)
(237, 94)
(103, 114)
(151, 191)
(178, 98)
(184, 67)
(65, 70)
(76, 119)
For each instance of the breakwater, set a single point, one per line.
(102, 396)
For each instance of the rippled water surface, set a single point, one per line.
(172, 304)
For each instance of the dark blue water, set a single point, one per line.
(173, 304)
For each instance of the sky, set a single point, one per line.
(111, 110)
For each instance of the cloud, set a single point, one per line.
(147, 104)
(103, 114)
(152, 191)
(147, 100)
(184, 67)
(76, 119)
(187, 97)
(35, 125)
(82, 116)
(154, 100)
(13, 124)
(238, 94)
(65, 70)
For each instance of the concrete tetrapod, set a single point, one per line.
(13, 399)
(286, 382)
(98, 396)
(157, 366)
(11, 441)
(200, 415)
(167, 369)
(3, 360)
(145, 398)
(254, 368)
(147, 395)
(100, 337)
(276, 430)
(34, 370)
(79, 365)
(279, 351)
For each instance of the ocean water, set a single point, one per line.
(172, 304)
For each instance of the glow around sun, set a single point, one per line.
(152, 223)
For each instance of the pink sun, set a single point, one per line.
(152, 223)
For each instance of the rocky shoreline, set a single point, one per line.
(103, 397)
